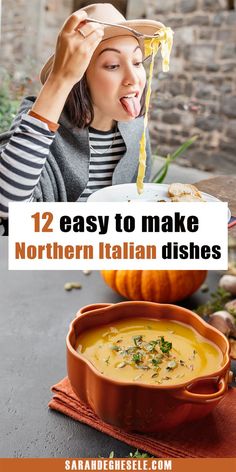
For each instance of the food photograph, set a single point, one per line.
(118, 363)
(117, 102)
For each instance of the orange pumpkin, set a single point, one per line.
(164, 286)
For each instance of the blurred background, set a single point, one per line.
(197, 96)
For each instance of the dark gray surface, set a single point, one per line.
(35, 315)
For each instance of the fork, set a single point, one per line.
(135, 33)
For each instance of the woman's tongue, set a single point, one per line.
(131, 105)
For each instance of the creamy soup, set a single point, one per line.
(149, 351)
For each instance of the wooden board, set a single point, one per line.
(224, 188)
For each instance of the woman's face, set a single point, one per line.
(116, 79)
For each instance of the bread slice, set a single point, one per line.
(177, 190)
(187, 198)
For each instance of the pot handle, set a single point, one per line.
(185, 394)
(93, 306)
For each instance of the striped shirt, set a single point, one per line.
(22, 161)
(24, 156)
(106, 149)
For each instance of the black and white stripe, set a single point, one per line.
(22, 161)
(110, 148)
(24, 156)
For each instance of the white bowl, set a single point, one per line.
(128, 192)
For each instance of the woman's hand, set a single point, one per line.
(72, 57)
(74, 49)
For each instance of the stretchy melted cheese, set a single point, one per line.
(149, 351)
(151, 46)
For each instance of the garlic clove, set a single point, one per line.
(228, 282)
(231, 307)
(224, 314)
(222, 320)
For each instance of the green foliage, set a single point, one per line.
(217, 302)
(161, 174)
(139, 455)
(9, 104)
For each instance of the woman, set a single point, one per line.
(83, 130)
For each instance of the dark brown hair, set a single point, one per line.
(79, 105)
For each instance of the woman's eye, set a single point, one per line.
(138, 64)
(112, 66)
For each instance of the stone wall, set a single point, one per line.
(198, 95)
(15, 36)
(29, 31)
(28, 35)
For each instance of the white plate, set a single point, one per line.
(128, 192)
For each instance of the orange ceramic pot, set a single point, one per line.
(141, 407)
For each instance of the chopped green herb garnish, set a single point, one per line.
(138, 340)
(165, 346)
(156, 362)
(151, 346)
(137, 358)
(129, 350)
(145, 355)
